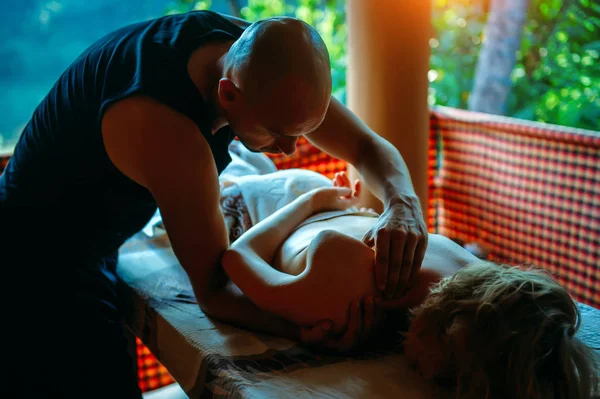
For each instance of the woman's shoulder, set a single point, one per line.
(335, 255)
(445, 256)
(331, 244)
(339, 270)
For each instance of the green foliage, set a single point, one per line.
(188, 5)
(557, 75)
(327, 17)
(556, 78)
(454, 50)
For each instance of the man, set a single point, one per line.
(143, 118)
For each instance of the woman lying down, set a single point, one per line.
(488, 330)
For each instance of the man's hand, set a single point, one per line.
(400, 239)
(365, 317)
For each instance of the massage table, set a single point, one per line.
(210, 359)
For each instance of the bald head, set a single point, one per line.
(281, 54)
(276, 84)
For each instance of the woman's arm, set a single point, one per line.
(248, 261)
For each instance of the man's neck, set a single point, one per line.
(206, 66)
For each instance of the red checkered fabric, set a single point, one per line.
(527, 192)
(151, 373)
(310, 157)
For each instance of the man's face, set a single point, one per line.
(256, 135)
(270, 123)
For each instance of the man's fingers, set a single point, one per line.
(382, 258)
(316, 334)
(379, 313)
(354, 330)
(407, 262)
(397, 244)
(418, 259)
(369, 316)
(412, 298)
(395, 304)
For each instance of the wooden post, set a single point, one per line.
(388, 61)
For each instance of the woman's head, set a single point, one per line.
(499, 331)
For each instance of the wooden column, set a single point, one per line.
(388, 61)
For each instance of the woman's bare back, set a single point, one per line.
(332, 265)
(337, 268)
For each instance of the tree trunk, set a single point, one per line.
(502, 39)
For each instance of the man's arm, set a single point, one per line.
(400, 236)
(343, 135)
(166, 153)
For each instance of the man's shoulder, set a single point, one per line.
(141, 134)
(148, 113)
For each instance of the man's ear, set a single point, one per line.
(228, 92)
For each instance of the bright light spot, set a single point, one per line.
(593, 53)
(561, 60)
(475, 39)
(562, 37)
(201, 5)
(575, 94)
(576, 58)
(546, 69)
(432, 75)
(54, 6)
(518, 73)
(44, 16)
(552, 100)
(449, 16)
(543, 52)
(461, 22)
(431, 96)
(434, 43)
(586, 81)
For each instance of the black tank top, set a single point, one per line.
(60, 187)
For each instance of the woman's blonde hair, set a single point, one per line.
(506, 332)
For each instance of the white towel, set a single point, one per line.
(245, 162)
(265, 194)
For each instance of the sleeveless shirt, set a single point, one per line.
(60, 188)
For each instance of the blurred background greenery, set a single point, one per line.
(555, 78)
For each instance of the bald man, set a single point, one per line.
(143, 118)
